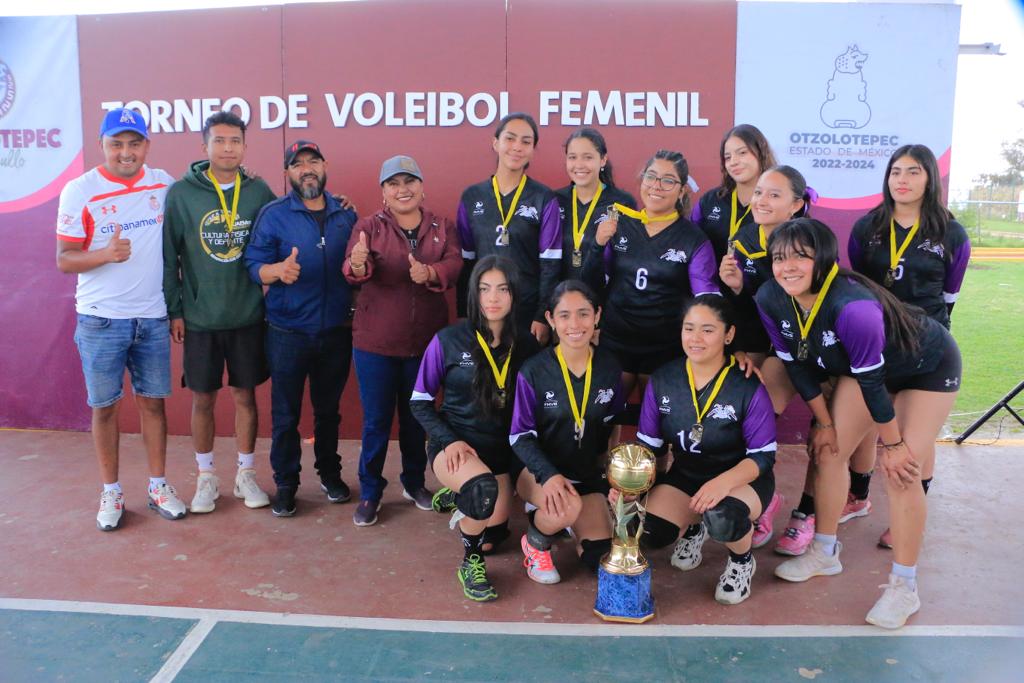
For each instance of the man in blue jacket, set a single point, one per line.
(297, 248)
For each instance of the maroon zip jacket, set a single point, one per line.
(394, 315)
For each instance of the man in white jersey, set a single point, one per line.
(110, 232)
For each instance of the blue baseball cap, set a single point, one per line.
(123, 120)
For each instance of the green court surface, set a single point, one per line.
(51, 645)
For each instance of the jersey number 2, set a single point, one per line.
(690, 446)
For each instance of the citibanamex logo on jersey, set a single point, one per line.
(7, 89)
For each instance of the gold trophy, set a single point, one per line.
(624, 578)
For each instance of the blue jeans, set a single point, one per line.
(325, 359)
(110, 345)
(384, 383)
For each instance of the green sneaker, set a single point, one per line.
(443, 501)
(473, 577)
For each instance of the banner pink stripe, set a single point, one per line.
(74, 169)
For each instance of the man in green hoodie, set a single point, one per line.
(214, 307)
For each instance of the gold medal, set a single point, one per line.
(506, 218)
(802, 349)
(500, 376)
(502, 235)
(578, 229)
(696, 433)
(577, 258)
(578, 413)
(896, 254)
(697, 429)
(890, 277)
(502, 398)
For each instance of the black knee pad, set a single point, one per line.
(729, 520)
(495, 535)
(658, 532)
(593, 551)
(477, 497)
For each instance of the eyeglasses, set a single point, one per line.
(665, 182)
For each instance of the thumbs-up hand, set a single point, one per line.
(359, 252)
(118, 249)
(289, 268)
(418, 272)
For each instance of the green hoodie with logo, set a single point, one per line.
(205, 281)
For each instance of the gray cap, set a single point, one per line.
(400, 164)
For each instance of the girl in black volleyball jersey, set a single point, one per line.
(513, 215)
(910, 244)
(584, 203)
(566, 397)
(744, 155)
(721, 427)
(655, 259)
(826, 322)
(780, 194)
(474, 364)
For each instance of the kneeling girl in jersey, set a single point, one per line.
(566, 398)
(827, 322)
(474, 364)
(721, 427)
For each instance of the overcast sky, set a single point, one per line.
(988, 88)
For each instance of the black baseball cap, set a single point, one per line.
(292, 151)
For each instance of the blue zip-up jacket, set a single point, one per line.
(321, 298)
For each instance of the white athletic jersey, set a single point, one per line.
(91, 208)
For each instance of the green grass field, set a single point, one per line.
(991, 232)
(988, 324)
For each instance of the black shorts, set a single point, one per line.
(499, 457)
(595, 485)
(945, 378)
(639, 361)
(764, 485)
(241, 349)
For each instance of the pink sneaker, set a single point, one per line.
(797, 536)
(854, 508)
(763, 525)
(885, 540)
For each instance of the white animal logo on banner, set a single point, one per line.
(846, 102)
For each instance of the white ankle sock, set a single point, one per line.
(827, 543)
(908, 574)
(246, 461)
(205, 461)
(156, 482)
(116, 486)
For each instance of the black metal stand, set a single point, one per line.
(1004, 402)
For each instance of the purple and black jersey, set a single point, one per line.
(847, 339)
(543, 426)
(712, 215)
(756, 270)
(609, 196)
(534, 241)
(648, 280)
(740, 423)
(928, 275)
(448, 366)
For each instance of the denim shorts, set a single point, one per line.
(109, 345)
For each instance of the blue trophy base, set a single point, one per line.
(624, 598)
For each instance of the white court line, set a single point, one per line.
(505, 627)
(179, 658)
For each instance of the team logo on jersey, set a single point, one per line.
(549, 400)
(7, 89)
(954, 382)
(846, 100)
(665, 407)
(821, 364)
(604, 396)
(723, 412)
(528, 212)
(787, 329)
(748, 267)
(561, 212)
(478, 209)
(716, 214)
(467, 360)
(674, 255)
(220, 243)
(828, 338)
(875, 241)
(622, 244)
(936, 249)
(154, 203)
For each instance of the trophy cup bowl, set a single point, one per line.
(624, 578)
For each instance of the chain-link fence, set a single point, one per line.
(993, 216)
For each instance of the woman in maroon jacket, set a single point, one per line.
(404, 258)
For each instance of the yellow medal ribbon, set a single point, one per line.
(577, 229)
(499, 375)
(896, 254)
(805, 327)
(229, 216)
(701, 412)
(761, 239)
(734, 224)
(577, 414)
(505, 218)
(642, 216)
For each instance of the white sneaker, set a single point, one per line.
(207, 492)
(247, 488)
(111, 509)
(164, 499)
(688, 553)
(734, 583)
(897, 604)
(812, 563)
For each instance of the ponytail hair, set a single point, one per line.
(798, 186)
(595, 138)
(683, 169)
(903, 322)
(722, 309)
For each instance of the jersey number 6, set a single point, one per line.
(641, 278)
